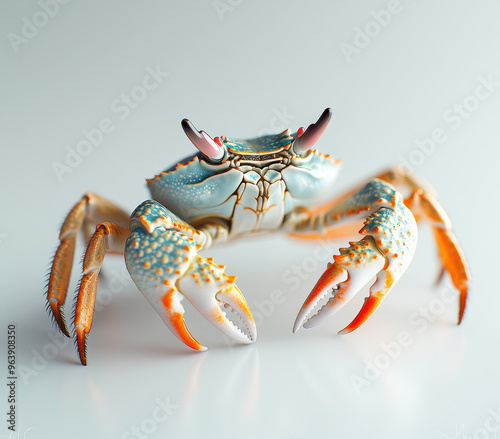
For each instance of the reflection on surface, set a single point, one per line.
(232, 382)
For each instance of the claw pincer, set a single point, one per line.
(161, 256)
(385, 253)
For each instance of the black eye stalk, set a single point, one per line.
(307, 139)
(207, 146)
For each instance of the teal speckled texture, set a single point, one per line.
(159, 252)
(392, 225)
(153, 258)
(260, 144)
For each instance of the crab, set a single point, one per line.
(233, 188)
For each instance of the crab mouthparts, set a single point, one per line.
(237, 322)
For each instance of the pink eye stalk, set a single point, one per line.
(202, 141)
(307, 139)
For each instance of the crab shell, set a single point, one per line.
(253, 188)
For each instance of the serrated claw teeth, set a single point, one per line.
(209, 297)
(350, 272)
(332, 276)
(234, 300)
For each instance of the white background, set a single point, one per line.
(231, 71)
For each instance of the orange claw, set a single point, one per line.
(175, 319)
(378, 292)
(356, 266)
(331, 278)
(385, 252)
(369, 306)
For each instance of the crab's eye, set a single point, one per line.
(207, 146)
(306, 139)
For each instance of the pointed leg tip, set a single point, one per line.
(81, 339)
(59, 317)
(461, 313)
(62, 326)
(82, 356)
(463, 300)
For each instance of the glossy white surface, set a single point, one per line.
(97, 67)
